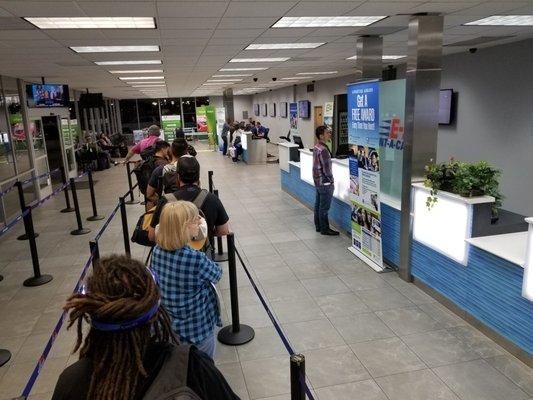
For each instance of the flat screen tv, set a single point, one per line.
(304, 109)
(265, 110)
(283, 110)
(445, 106)
(47, 95)
(91, 100)
(273, 110)
(256, 110)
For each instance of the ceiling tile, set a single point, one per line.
(118, 8)
(313, 8)
(259, 9)
(385, 8)
(191, 9)
(42, 8)
(187, 23)
(293, 33)
(251, 34)
(247, 23)
(186, 33)
(441, 7)
(492, 7)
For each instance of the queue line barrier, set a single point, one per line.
(26, 181)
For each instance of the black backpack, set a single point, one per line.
(143, 170)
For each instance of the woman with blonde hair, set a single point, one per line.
(186, 277)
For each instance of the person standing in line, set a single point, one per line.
(324, 183)
(153, 136)
(224, 135)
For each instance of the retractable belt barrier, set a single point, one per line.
(26, 181)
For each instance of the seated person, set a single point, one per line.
(236, 144)
(105, 144)
(164, 178)
(130, 351)
(102, 157)
(262, 131)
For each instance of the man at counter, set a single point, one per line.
(323, 178)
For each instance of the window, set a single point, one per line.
(170, 106)
(7, 161)
(128, 115)
(148, 112)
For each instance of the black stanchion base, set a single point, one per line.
(95, 218)
(77, 232)
(38, 280)
(67, 210)
(221, 257)
(5, 356)
(1, 278)
(131, 202)
(227, 336)
(26, 237)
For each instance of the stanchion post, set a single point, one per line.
(236, 333)
(28, 218)
(124, 218)
(130, 185)
(95, 216)
(5, 356)
(95, 251)
(210, 180)
(297, 377)
(81, 230)
(220, 256)
(67, 208)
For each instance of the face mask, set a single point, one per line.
(202, 234)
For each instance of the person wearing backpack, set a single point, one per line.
(130, 351)
(153, 136)
(189, 189)
(152, 157)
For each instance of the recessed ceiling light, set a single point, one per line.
(265, 59)
(504, 20)
(113, 49)
(231, 75)
(144, 82)
(283, 46)
(146, 86)
(132, 62)
(325, 22)
(317, 73)
(383, 58)
(225, 80)
(92, 22)
(140, 78)
(292, 78)
(138, 71)
(244, 69)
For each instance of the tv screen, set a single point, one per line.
(265, 110)
(273, 110)
(304, 109)
(91, 100)
(283, 110)
(445, 106)
(256, 110)
(47, 95)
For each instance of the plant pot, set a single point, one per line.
(473, 193)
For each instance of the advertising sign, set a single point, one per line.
(293, 118)
(211, 116)
(169, 124)
(67, 131)
(201, 119)
(363, 133)
(328, 113)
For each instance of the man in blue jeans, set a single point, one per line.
(323, 178)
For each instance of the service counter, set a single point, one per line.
(488, 280)
(254, 150)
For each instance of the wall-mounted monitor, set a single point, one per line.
(304, 109)
(273, 110)
(256, 110)
(265, 109)
(47, 95)
(91, 100)
(445, 106)
(283, 109)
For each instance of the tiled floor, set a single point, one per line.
(366, 336)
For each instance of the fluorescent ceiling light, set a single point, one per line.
(92, 22)
(132, 62)
(383, 58)
(216, 84)
(113, 49)
(504, 20)
(283, 46)
(292, 78)
(325, 22)
(265, 59)
(244, 69)
(140, 78)
(317, 73)
(137, 71)
(225, 80)
(231, 75)
(146, 86)
(144, 82)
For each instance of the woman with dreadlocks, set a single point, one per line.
(130, 351)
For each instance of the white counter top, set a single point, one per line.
(467, 200)
(287, 144)
(509, 246)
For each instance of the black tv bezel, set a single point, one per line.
(257, 109)
(283, 109)
(272, 110)
(308, 107)
(264, 112)
(83, 105)
(65, 97)
(452, 105)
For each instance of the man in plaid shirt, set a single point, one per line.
(324, 183)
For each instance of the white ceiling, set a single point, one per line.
(197, 38)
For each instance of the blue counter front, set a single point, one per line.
(487, 288)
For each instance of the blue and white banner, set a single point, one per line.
(363, 138)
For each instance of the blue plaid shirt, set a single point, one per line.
(185, 277)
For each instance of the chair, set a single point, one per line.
(287, 138)
(266, 135)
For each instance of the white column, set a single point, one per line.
(527, 286)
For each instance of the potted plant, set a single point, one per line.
(465, 179)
